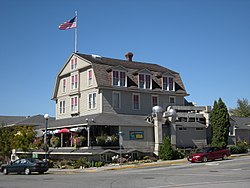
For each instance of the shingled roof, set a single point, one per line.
(102, 65)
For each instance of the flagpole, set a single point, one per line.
(76, 32)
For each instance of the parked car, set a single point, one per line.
(209, 153)
(25, 166)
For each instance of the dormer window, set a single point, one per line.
(145, 81)
(168, 83)
(73, 64)
(119, 78)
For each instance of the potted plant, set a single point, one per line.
(55, 141)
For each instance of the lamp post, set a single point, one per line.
(120, 143)
(46, 117)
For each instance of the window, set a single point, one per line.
(116, 100)
(64, 85)
(199, 129)
(73, 64)
(92, 100)
(154, 100)
(144, 81)
(182, 128)
(232, 130)
(172, 100)
(62, 107)
(90, 77)
(74, 104)
(74, 82)
(119, 78)
(168, 83)
(136, 101)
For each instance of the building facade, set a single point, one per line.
(108, 102)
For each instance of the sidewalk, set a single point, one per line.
(126, 166)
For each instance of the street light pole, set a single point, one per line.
(46, 117)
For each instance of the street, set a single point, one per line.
(230, 173)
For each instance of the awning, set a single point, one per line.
(64, 130)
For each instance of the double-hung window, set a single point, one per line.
(90, 77)
(119, 78)
(74, 104)
(116, 100)
(64, 85)
(136, 101)
(144, 81)
(74, 81)
(62, 107)
(154, 100)
(168, 83)
(73, 64)
(92, 100)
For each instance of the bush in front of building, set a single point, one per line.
(167, 152)
(241, 147)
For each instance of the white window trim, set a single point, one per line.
(62, 107)
(170, 99)
(90, 82)
(168, 77)
(144, 81)
(113, 101)
(74, 65)
(91, 103)
(64, 90)
(133, 105)
(75, 108)
(73, 85)
(119, 78)
(152, 99)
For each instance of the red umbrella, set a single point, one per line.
(64, 130)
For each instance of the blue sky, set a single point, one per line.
(206, 41)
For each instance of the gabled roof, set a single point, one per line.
(103, 65)
(36, 120)
(241, 122)
(8, 120)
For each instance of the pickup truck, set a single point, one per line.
(209, 154)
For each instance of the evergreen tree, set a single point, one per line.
(6, 141)
(166, 151)
(219, 119)
(242, 110)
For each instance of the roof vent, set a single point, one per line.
(129, 56)
(96, 56)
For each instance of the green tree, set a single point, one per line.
(219, 119)
(242, 110)
(6, 141)
(167, 152)
(24, 138)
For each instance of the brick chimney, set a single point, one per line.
(129, 56)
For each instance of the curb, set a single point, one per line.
(127, 166)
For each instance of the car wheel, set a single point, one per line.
(204, 159)
(224, 157)
(41, 172)
(27, 171)
(5, 171)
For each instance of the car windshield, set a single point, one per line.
(204, 150)
(34, 160)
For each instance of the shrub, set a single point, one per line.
(167, 152)
(241, 147)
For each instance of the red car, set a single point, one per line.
(209, 154)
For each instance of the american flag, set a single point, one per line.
(68, 24)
